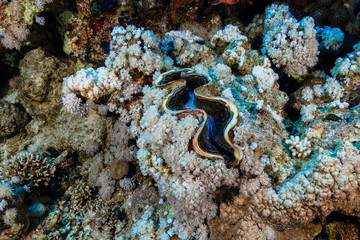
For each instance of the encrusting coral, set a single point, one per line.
(12, 118)
(37, 71)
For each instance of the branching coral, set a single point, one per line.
(33, 170)
(80, 193)
(299, 148)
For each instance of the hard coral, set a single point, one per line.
(33, 170)
(80, 193)
(299, 148)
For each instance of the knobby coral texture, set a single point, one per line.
(290, 43)
(177, 136)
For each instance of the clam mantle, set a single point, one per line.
(191, 94)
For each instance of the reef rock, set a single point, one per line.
(12, 118)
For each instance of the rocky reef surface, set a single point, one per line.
(179, 120)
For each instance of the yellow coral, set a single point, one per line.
(30, 11)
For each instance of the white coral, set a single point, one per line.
(127, 52)
(333, 88)
(91, 83)
(265, 76)
(3, 204)
(330, 38)
(307, 112)
(227, 35)
(223, 74)
(73, 104)
(290, 43)
(127, 184)
(300, 148)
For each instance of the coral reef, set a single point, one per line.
(15, 215)
(91, 83)
(182, 176)
(127, 120)
(299, 148)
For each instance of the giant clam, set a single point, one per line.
(191, 93)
